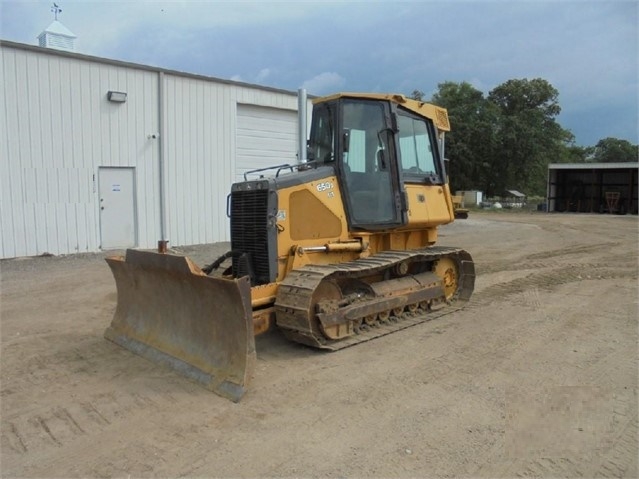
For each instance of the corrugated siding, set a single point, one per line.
(201, 123)
(265, 137)
(57, 128)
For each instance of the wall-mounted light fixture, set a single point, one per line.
(116, 96)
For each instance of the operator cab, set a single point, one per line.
(381, 146)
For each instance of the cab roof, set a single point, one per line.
(437, 114)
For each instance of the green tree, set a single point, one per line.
(612, 150)
(417, 95)
(529, 134)
(572, 153)
(507, 139)
(472, 142)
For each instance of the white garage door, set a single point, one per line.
(265, 137)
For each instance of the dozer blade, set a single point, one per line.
(170, 312)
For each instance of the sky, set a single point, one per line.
(588, 50)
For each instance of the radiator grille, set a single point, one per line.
(249, 234)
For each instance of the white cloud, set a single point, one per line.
(262, 75)
(326, 82)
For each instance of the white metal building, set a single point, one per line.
(99, 154)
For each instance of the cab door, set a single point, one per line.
(368, 165)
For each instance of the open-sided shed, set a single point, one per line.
(593, 187)
(513, 199)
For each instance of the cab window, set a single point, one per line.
(417, 148)
(322, 136)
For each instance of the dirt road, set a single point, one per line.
(537, 376)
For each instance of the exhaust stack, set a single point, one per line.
(301, 125)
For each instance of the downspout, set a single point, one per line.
(163, 242)
(301, 126)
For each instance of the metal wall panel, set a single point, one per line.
(201, 123)
(57, 128)
(265, 137)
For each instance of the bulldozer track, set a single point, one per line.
(295, 295)
(406, 320)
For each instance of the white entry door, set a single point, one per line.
(117, 208)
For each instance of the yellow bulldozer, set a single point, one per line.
(335, 250)
(461, 212)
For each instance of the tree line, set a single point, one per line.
(506, 140)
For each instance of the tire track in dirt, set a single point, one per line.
(606, 253)
(63, 420)
(12, 438)
(39, 420)
(548, 279)
(599, 366)
(617, 362)
(94, 414)
(621, 460)
(617, 458)
(140, 415)
(567, 251)
(54, 428)
(550, 467)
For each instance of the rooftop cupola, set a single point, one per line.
(57, 35)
